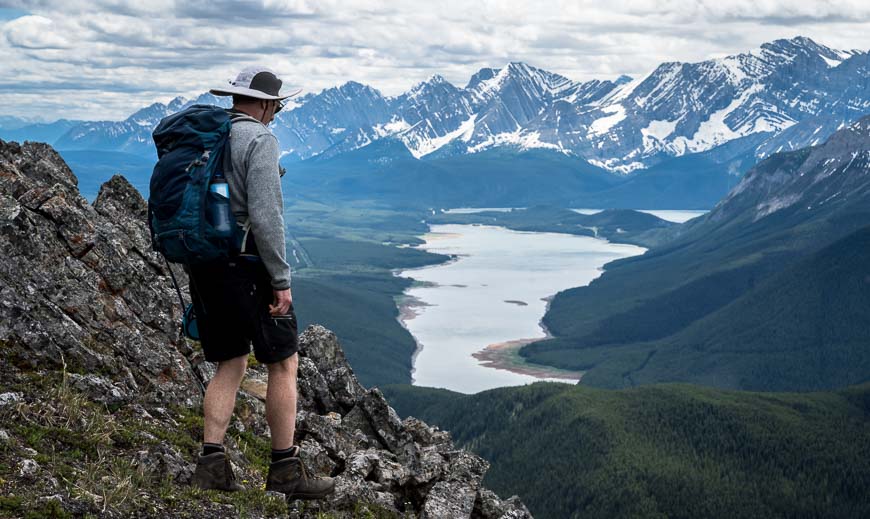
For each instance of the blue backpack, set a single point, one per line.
(190, 151)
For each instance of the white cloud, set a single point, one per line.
(34, 32)
(104, 58)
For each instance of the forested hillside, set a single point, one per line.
(675, 451)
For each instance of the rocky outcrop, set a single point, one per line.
(402, 466)
(100, 397)
(79, 285)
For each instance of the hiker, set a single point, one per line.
(246, 299)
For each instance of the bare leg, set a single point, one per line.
(220, 398)
(281, 401)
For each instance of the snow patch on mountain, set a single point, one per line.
(616, 166)
(832, 62)
(521, 139)
(391, 128)
(734, 67)
(656, 132)
(716, 130)
(604, 124)
(621, 92)
(422, 147)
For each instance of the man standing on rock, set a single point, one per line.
(247, 299)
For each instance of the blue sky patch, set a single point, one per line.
(8, 13)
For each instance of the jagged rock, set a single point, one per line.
(328, 432)
(321, 346)
(465, 467)
(489, 506)
(28, 469)
(425, 435)
(314, 392)
(83, 299)
(81, 286)
(448, 499)
(352, 493)
(316, 458)
(427, 465)
(9, 398)
(251, 413)
(100, 389)
(357, 420)
(385, 421)
(161, 460)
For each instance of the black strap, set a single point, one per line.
(174, 282)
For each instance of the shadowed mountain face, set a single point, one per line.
(767, 291)
(100, 398)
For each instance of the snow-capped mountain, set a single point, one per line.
(785, 95)
(132, 135)
(683, 108)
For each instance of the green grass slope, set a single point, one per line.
(675, 451)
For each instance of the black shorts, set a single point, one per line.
(231, 299)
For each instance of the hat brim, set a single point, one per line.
(250, 92)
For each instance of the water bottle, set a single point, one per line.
(218, 208)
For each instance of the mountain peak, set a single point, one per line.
(519, 66)
(623, 80)
(431, 81)
(802, 41)
(357, 88)
(481, 75)
(802, 45)
(177, 103)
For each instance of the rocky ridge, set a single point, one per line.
(100, 397)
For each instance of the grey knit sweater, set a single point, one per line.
(255, 193)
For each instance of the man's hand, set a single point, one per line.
(281, 302)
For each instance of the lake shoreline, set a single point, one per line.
(505, 355)
(502, 359)
(407, 305)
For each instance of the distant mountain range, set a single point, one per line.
(688, 131)
(786, 95)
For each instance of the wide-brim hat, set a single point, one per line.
(256, 82)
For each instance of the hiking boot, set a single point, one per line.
(290, 477)
(214, 472)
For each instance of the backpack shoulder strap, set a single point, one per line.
(236, 117)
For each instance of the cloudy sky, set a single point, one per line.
(103, 59)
